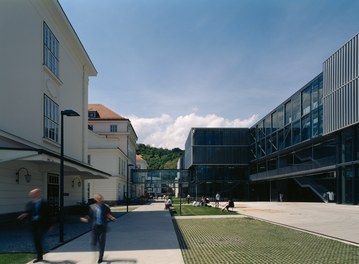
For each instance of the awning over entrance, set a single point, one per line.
(50, 162)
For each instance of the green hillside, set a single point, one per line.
(159, 158)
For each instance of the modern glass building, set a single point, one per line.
(218, 160)
(289, 153)
(307, 148)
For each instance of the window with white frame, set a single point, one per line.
(51, 50)
(51, 119)
(113, 128)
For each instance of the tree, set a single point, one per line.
(159, 158)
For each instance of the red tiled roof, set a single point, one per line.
(104, 112)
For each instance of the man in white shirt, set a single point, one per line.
(218, 197)
(168, 203)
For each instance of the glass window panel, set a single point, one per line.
(287, 136)
(260, 130)
(347, 150)
(257, 133)
(281, 139)
(347, 145)
(306, 100)
(315, 96)
(253, 153)
(262, 148)
(275, 121)
(274, 142)
(288, 113)
(320, 91)
(303, 156)
(348, 184)
(296, 132)
(220, 155)
(51, 117)
(280, 117)
(51, 50)
(315, 123)
(268, 146)
(259, 151)
(221, 137)
(325, 153)
(296, 109)
(267, 125)
(113, 128)
(306, 128)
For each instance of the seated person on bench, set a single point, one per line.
(228, 205)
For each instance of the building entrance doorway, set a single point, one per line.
(53, 193)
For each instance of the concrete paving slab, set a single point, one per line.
(327, 219)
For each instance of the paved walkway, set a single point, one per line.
(147, 235)
(327, 219)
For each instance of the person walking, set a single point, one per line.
(99, 213)
(217, 198)
(188, 198)
(38, 212)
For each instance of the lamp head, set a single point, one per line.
(69, 112)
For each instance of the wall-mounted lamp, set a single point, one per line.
(78, 182)
(26, 175)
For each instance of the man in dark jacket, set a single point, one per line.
(38, 212)
(100, 213)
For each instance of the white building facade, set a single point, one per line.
(44, 70)
(112, 148)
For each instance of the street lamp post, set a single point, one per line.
(127, 199)
(61, 181)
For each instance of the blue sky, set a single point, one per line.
(169, 65)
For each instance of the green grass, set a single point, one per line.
(247, 241)
(16, 258)
(189, 210)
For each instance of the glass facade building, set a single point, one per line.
(297, 120)
(289, 151)
(218, 160)
(307, 148)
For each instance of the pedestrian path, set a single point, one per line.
(143, 236)
(331, 220)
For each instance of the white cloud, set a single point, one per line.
(168, 132)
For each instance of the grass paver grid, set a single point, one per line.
(244, 240)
